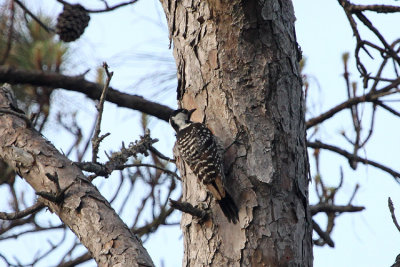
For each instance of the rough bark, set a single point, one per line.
(237, 64)
(81, 207)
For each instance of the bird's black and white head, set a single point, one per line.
(180, 119)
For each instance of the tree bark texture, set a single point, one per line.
(237, 65)
(81, 207)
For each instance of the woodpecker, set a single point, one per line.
(201, 151)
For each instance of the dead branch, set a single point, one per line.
(171, 173)
(160, 155)
(33, 16)
(78, 260)
(370, 97)
(106, 9)
(190, 209)
(154, 224)
(96, 140)
(350, 156)
(79, 84)
(20, 214)
(375, 8)
(324, 237)
(324, 207)
(391, 208)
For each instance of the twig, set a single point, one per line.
(154, 224)
(94, 167)
(386, 107)
(391, 208)
(121, 182)
(138, 147)
(108, 8)
(50, 250)
(370, 97)
(34, 230)
(151, 166)
(327, 239)
(375, 8)
(160, 155)
(354, 194)
(78, 260)
(368, 24)
(102, 170)
(96, 140)
(20, 214)
(188, 208)
(325, 207)
(350, 156)
(49, 30)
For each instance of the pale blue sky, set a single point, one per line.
(365, 239)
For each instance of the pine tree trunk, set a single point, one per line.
(237, 65)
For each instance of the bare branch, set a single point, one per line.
(33, 16)
(324, 207)
(20, 214)
(350, 156)
(325, 236)
(96, 140)
(154, 224)
(108, 8)
(188, 208)
(151, 166)
(370, 97)
(160, 155)
(375, 8)
(354, 194)
(79, 84)
(391, 208)
(386, 107)
(78, 260)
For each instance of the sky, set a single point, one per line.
(123, 38)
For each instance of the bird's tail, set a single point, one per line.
(229, 208)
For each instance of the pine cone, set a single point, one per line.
(71, 23)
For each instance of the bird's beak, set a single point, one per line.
(191, 111)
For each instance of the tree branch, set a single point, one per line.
(108, 8)
(33, 16)
(375, 8)
(79, 84)
(96, 140)
(325, 236)
(391, 208)
(188, 208)
(370, 97)
(78, 260)
(20, 214)
(351, 156)
(83, 209)
(324, 207)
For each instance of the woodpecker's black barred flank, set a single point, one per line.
(199, 148)
(71, 23)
